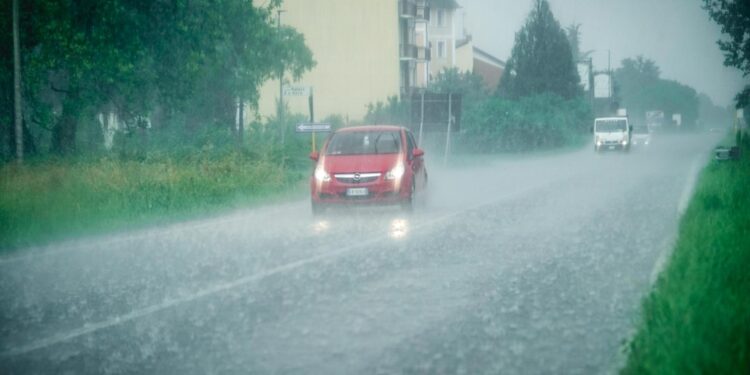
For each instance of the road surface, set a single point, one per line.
(521, 265)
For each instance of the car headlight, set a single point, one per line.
(322, 175)
(624, 142)
(396, 173)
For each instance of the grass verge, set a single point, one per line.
(53, 200)
(697, 318)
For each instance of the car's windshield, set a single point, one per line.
(610, 125)
(364, 142)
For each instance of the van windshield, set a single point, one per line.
(364, 142)
(610, 125)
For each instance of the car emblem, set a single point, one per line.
(356, 177)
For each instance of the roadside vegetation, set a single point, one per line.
(57, 198)
(126, 129)
(144, 126)
(538, 104)
(697, 318)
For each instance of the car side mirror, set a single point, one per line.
(417, 152)
(314, 156)
(631, 128)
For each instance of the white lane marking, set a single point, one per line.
(666, 250)
(687, 193)
(135, 314)
(687, 190)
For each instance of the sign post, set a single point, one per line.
(313, 127)
(297, 90)
(448, 135)
(309, 127)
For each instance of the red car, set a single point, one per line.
(368, 164)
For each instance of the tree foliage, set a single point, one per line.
(541, 59)
(573, 32)
(534, 122)
(642, 90)
(454, 81)
(734, 18)
(188, 59)
(712, 115)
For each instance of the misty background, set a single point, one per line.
(678, 35)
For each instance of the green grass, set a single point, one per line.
(52, 200)
(697, 318)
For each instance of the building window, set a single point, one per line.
(440, 17)
(441, 50)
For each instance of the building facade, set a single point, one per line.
(442, 35)
(489, 67)
(365, 51)
(415, 51)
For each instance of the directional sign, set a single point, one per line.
(309, 127)
(602, 85)
(296, 90)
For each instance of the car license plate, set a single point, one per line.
(611, 147)
(356, 192)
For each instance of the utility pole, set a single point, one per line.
(281, 80)
(611, 81)
(17, 85)
(241, 125)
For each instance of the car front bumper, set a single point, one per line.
(378, 192)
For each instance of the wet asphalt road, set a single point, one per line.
(521, 265)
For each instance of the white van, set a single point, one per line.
(612, 133)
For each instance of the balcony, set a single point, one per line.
(412, 52)
(415, 9)
(423, 53)
(407, 9)
(423, 11)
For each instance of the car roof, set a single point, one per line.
(611, 118)
(371, 128)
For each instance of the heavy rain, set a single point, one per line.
(478, 212)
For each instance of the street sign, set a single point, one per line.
(602, 85)
(584, 72)
(296, 90)
(309, 127)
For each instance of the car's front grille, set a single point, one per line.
(356, 178)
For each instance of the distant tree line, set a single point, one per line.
(180, 65)
(641, 89)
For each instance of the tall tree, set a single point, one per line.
(642, 89)
(573, 32)
(637, 72)
(81, 56)
(453, 81)
(734, 18)
(541, 60)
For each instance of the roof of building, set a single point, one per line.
(487, 57)
(449, 4)
(463, 42)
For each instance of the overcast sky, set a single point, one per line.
(676, 34)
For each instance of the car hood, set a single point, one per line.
(359, 163)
